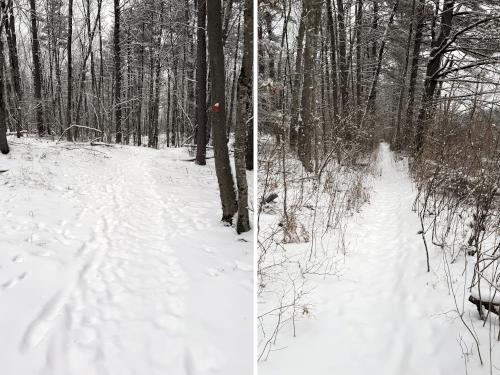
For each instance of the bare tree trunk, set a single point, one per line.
(397, 136)
(433, 65)
(156, 107)
(359, 18)
(201, 84)
(370, 103)
(10, 30)
(244, 115)
(414, 68)
(297, 80)
(227, 18)
(69, 101)
(4, 146)
(130, 85)
(118, 74)
(250, 146)
(37, 70)
(234, 83)
(307, 121)
(374, 47)
(333, 57)
(344, 68)
(222, 165)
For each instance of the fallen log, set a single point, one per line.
(194, 159)
(15, 133)
(92, 143)
(490, 305)
(271, 198)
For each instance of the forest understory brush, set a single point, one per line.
(302, 219)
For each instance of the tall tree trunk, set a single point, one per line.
(268, 21)
(4, 146)
(156, 106)
(433, 65)
(307, 121)
(397, 142)
(344, 68)
(359, 20)
(370, 103)
(156, 110)
(227, 18)
(333, 58)
(118, 73)
(140, 98)
(249, 147)
(10, 30)
(69, 102)
(221, 152)
(374, 46)
(414, 69)
(91, 34)
(201, 84)
(37, 70)
(244, 115)
(130, 85)
(100, 83)
(297, 80)
(234, 83)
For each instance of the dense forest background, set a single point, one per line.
(337, 77)
(155, 73)
(355, 70)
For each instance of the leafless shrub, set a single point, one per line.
(301, 231)
(458, 201)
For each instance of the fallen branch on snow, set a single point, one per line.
(77, 126)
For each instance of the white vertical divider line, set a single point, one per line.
(255, 97)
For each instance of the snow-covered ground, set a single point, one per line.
(383, 314)
(113, 261)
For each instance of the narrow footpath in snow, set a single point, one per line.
(114, 261)
(384, 314)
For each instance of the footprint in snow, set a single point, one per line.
(202, 360)
(207, 249)
(243, 266)
(168, 323)
(13, 282)
(214, 272)
(84, 337)
(200, 225)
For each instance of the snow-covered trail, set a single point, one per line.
(384, 315)
(116, 263)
